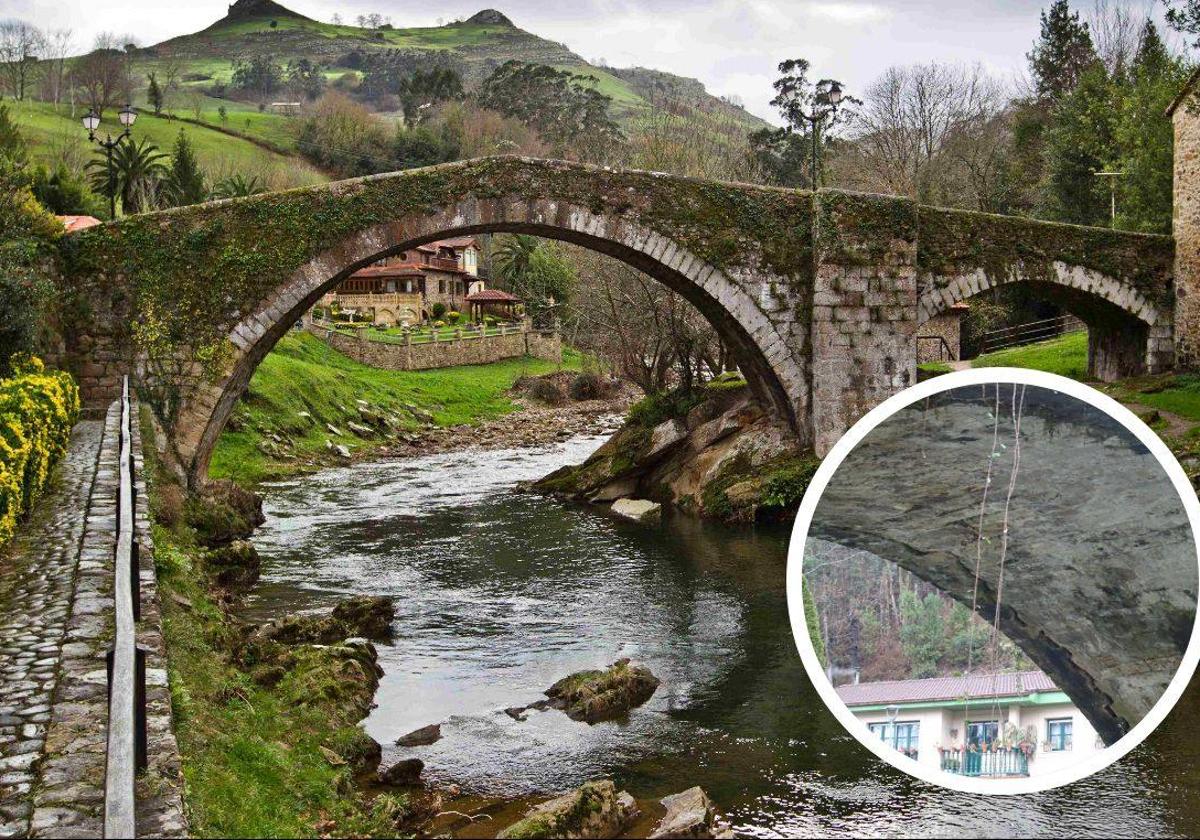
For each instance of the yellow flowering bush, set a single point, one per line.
(38, 408)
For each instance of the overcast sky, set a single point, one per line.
(730, 45)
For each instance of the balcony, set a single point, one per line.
(1006, 762)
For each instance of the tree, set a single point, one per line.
(784, 154)
(185, 180)
(154, 94)
(305, 79)
(57, 47)
(102, 75)
(261, 76)
(534, 270)
(13, 145)
(1080, 142)
(425, 88)
(64, 193)
(1062, 53)
(136, 177)
(922, 632)
(20, 43)
(1184, 16)
(565, 108)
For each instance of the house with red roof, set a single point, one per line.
(404, 288)
(985, 725)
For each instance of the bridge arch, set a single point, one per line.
(763, 352)
(1128, 333)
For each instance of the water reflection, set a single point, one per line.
(500, 593)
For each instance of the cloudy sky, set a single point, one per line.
(730, 45)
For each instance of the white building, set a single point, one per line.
(1017, 724)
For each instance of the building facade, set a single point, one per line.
(992, 725)
(404, 288)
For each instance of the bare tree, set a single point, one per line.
(930, 131)
(20, 46)
(102, 75)
(1116, 32)
(57, 45)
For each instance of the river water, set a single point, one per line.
(500, 593)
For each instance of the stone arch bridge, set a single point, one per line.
(819, 295)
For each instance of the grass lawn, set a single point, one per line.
(55, 135)
(303, 374)
(1066, 356)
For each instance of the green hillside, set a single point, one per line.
(474, 47)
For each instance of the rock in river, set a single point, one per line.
(593, 696)
(595, 809)
(639, 510)
(404, 772)
(422, 737)
(690, 814)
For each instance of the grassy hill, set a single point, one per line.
(474, 47)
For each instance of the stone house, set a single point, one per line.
(403, 288)
(985, 725)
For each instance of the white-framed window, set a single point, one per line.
(901, 735)
(1059, 732)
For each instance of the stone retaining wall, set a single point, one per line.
(440, 354)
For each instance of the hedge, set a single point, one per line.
(37, 411)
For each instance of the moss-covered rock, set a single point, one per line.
(222, 512)
(593, 696)
(361, 615)
(595, 809)
(235, 565)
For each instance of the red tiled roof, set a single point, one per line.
(945, 688)
(74, 223)
(403, 270)
(492, 296)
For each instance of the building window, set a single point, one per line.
(982, 732)
(902, 736)
(1058, 733)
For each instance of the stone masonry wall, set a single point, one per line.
(1186, 227)
(466, 351)
(864, 309)
(946, 326)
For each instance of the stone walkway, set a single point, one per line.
(37, 584)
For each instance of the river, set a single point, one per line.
(500, 593)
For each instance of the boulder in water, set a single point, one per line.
(595, 809)
(422, 737)
(690, 814)
(593, 696)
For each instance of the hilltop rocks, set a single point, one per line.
(690, 814)
(595, 809)
(593, 696)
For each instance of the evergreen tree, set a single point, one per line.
(1063, 52)
(1079, 143)
(154, 94)
(185, 180)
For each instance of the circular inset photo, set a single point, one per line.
(992, 581)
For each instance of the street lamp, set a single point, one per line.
(818, 116)
(91, 121)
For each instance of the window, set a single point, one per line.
(1058, 733)
(981, 732)
(903, 736)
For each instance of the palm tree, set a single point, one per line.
(238, 186)
(513, 256)
(136, 175)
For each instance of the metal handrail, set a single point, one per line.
(943, 346)
(126, 690)
(1030, 332)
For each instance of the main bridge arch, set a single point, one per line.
(818, 295)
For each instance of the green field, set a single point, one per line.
(1066, 356)
(55, 135)
(302, 374)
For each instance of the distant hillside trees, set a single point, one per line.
(565, 108)
(20, 46)
(102, 76)
(260, 76)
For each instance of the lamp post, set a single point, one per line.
(815, 119)
(91, 121)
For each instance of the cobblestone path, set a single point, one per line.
(37, 583)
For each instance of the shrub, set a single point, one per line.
(438, 310)
(547, 391)
(37, 411)
(588, 386)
